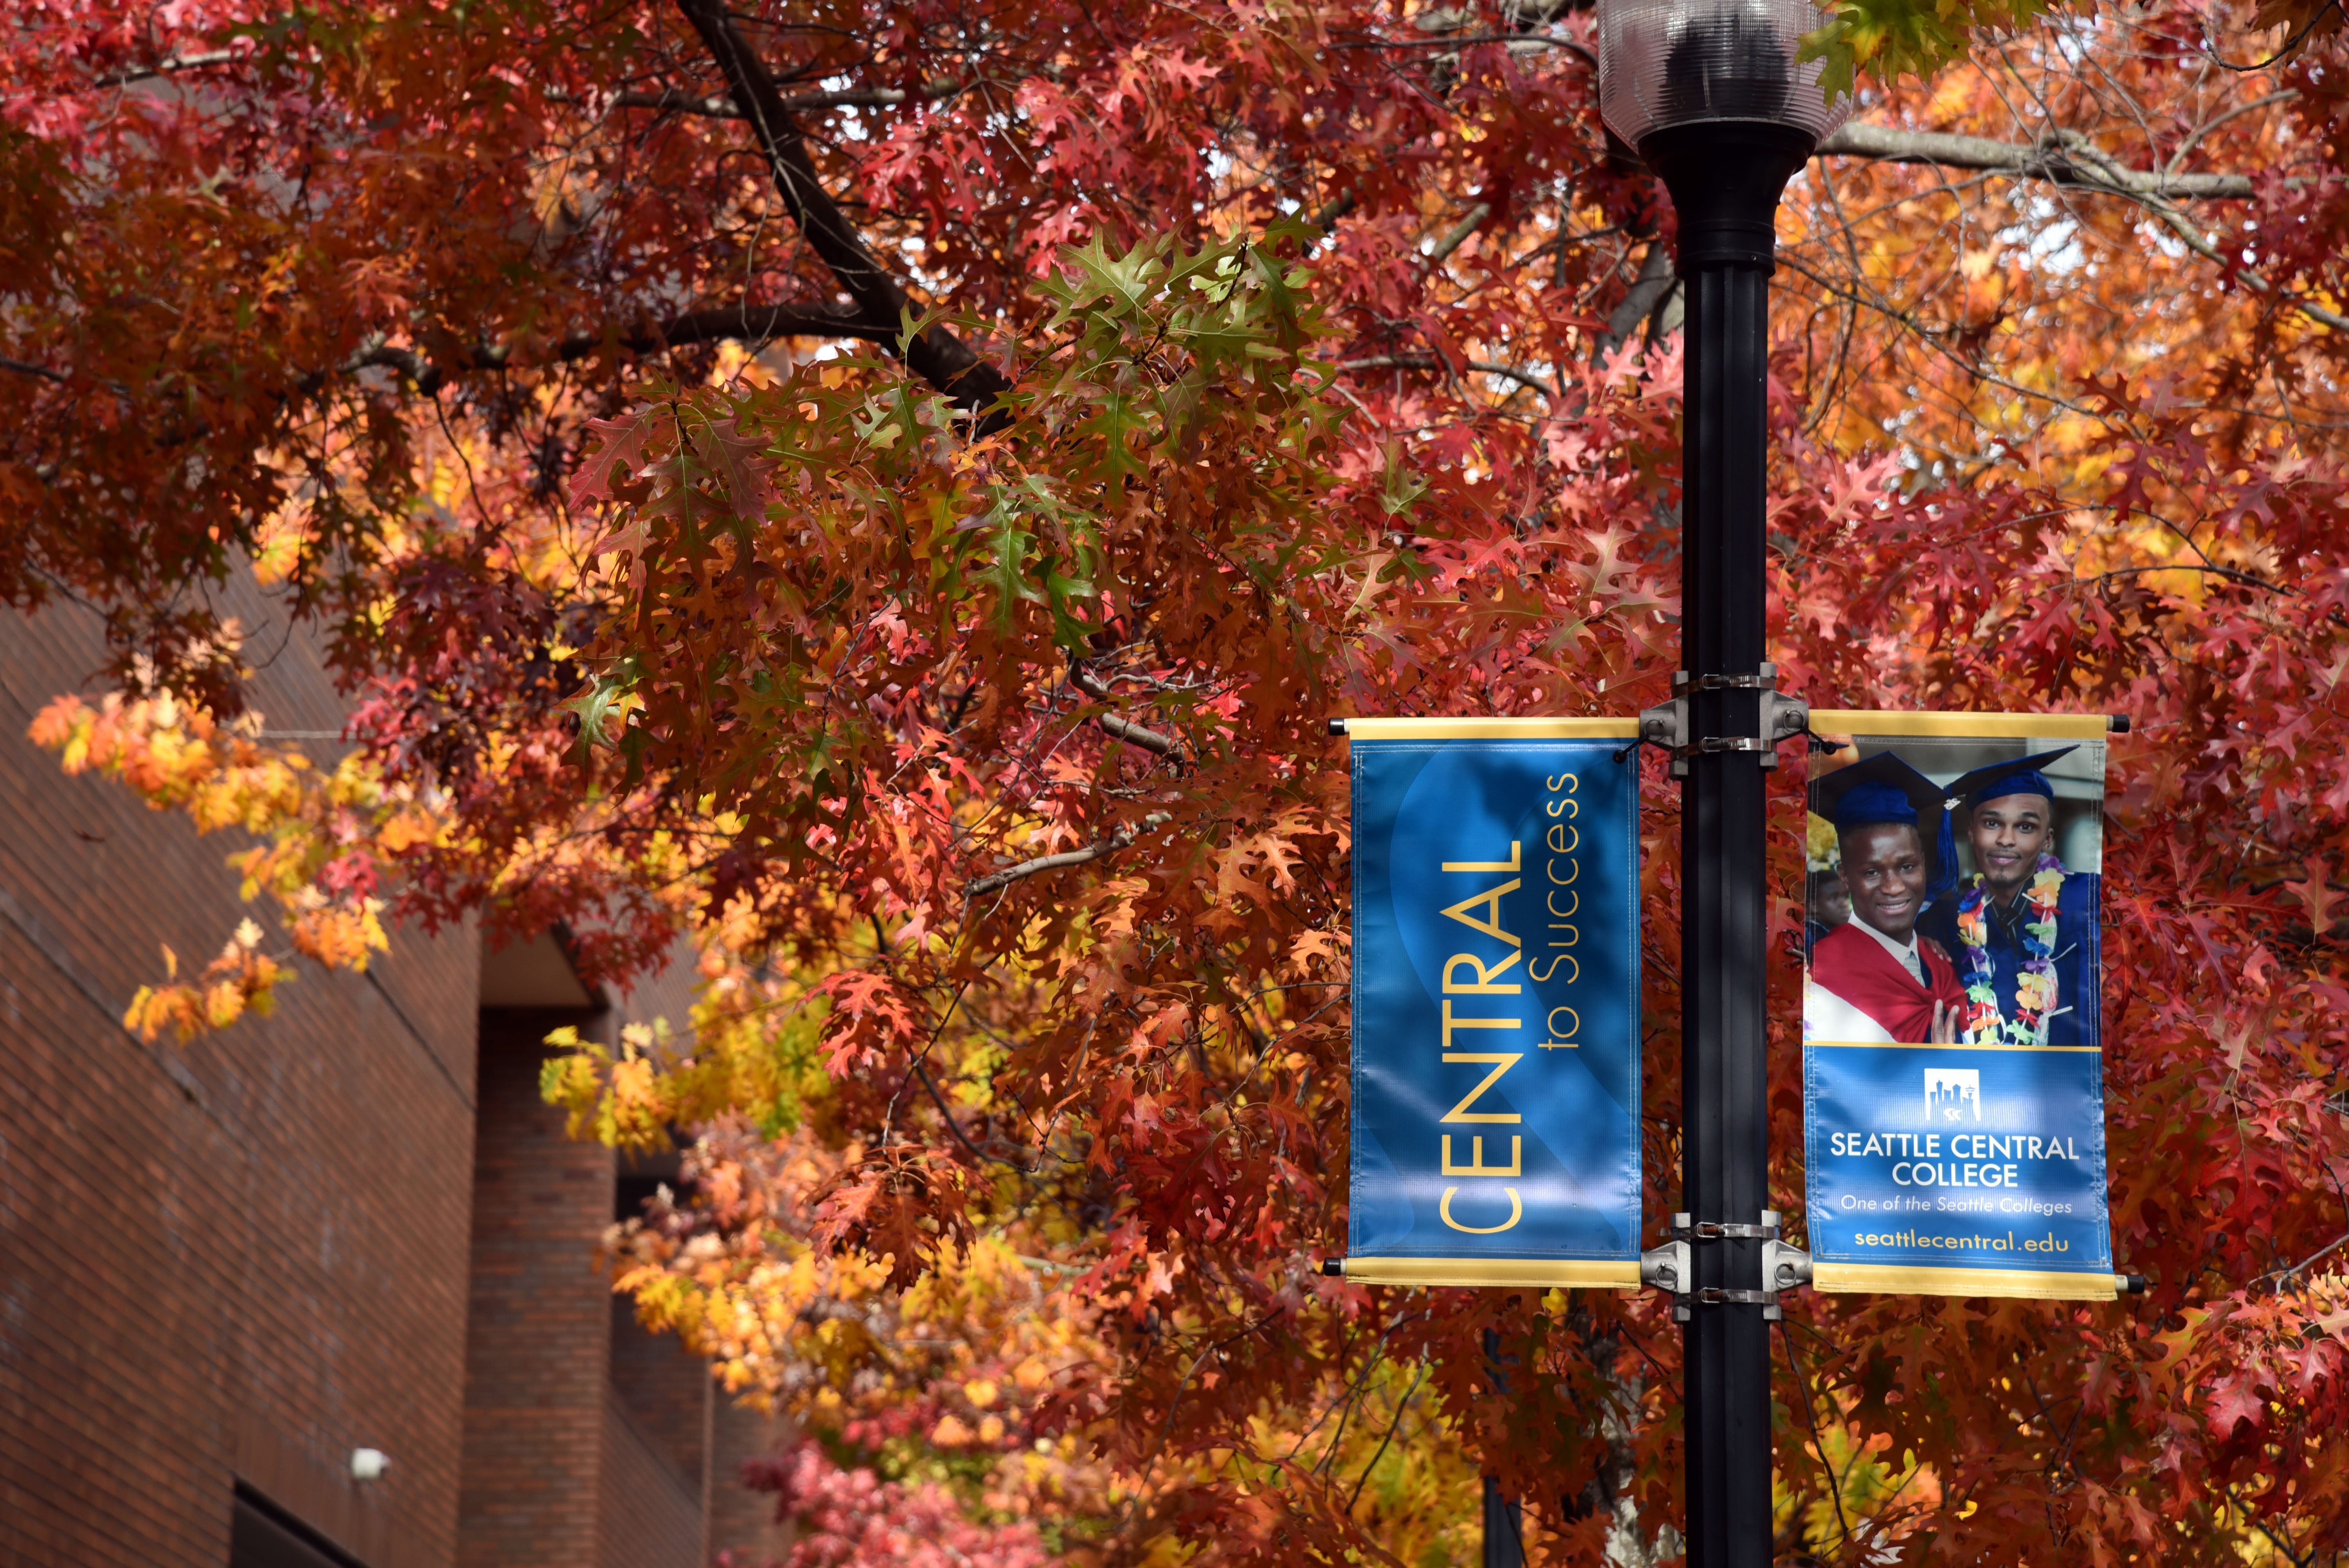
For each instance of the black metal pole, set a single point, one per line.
(1725, 180)
(1504, 1542)
(1505, 1545)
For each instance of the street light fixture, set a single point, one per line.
(1710, 94)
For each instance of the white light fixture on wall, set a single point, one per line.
(368, 1464)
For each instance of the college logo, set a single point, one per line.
(1952, 1092)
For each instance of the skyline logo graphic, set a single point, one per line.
(1952, 1092)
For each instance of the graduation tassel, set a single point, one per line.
(1945, 871)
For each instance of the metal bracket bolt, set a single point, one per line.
(1667, 725)
(1671, 1268)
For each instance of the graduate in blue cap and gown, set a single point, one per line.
(1875, 978)
(2024, 930)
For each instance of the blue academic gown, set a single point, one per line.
(2079, 957)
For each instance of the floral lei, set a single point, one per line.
(2034, 989)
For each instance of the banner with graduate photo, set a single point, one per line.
(1954, 1077)
(1496, 1023)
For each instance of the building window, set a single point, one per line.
(263, 1535)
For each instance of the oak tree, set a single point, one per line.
(895, 492)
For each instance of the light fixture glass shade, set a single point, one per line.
(1665, 63)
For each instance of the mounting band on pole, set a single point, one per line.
(1784, 718)
(1670, 1267)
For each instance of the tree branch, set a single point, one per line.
(2063, 158)
(2067, 159)
(797, 103)
(671, 103)
(936, 354)
(169, 67)
(1091, 852)
(1646, 295)
(743, 323)
(1124, 729)
(2191, 234)
(2303, 1264)
(1516, 43)
(747, 323)
(25, 367)
(1432, 362)
(1457, 237)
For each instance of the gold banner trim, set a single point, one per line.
(1987, 726)
(1921, 1046)
(1543, 1274)
(1890, 1279)
(1492, 729)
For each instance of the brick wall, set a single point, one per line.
(589, 1440)
(666, 1393)
(743, 1525)
(649, 1516)
(538, 1362)
(241, 1259)
(237, 1261)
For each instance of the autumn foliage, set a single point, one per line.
(895, 494)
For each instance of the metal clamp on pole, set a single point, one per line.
(1783, 1268)
(1710, 1230)
(1671, 1268)
(1784, 718)
(1667, 1268)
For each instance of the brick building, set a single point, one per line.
(226, 1267)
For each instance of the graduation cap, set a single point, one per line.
(1886, 787)
(2020, 776)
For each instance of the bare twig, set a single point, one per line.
(1458, 236)
(1124, 729)
(1517, 43)
(744, 323)
(171, 66)
(1431, 362)
(1364, 1479)
(1835, 1481)
(712, 108)
(24, 367)
(1108, 845)
(2302, 1266)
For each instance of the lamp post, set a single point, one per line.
(1708, 93)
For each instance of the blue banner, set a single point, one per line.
(1954, 1081)
(1497, 1020)
(1957, 1170)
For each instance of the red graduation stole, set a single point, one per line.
(1856, 967)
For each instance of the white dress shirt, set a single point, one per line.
(1910, 958)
